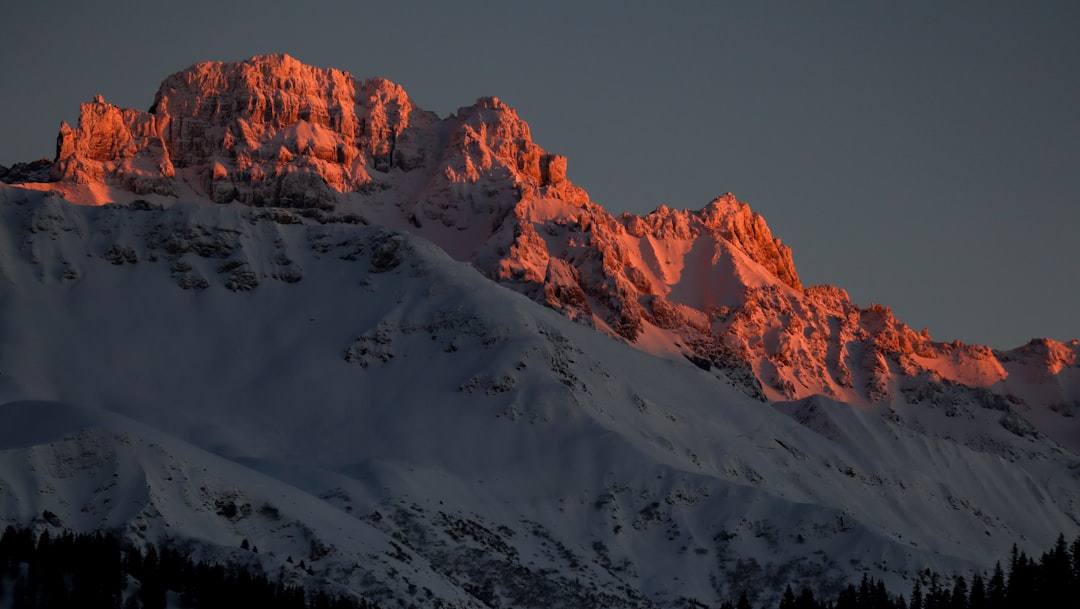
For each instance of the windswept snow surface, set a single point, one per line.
(353, 397)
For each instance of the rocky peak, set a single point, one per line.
(271, 130)
(723, 218)
(114, 144)
(268, 129)
(1046, 354)
(488, 135)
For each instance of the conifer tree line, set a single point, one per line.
(99, 571)
(1050, 582)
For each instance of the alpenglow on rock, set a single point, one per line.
(272, 131)
(713, 285)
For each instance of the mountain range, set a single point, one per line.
(287, 306)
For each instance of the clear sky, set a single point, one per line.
(923, 155)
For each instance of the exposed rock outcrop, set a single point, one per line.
(20, 173)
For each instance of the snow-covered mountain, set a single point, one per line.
(274, 307)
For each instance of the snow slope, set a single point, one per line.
(354, 397)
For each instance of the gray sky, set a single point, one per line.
(923, 155)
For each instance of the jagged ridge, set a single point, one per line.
(713, 285)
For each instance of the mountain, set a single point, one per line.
(288, 306)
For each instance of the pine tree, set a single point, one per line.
(1076, 561)
(1074, 584)
(152, 584)
(936, 597)
(788, 600)
(1018, 588)
(995, 590)
(881, 599)
(959, 598)
(977, 599)
(865, 597)
(848, 599)
(806, 600)
(916, 596)
(744, 603)
(1055, 571)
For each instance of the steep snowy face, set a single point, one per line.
(352, 396)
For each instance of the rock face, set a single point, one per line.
(712, 284)
(269, 130)
(273, 131)
(34, 171)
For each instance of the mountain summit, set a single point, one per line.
(272, 130)
(276, 266)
